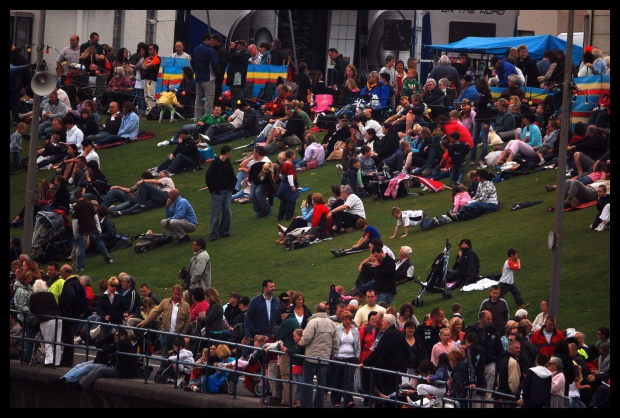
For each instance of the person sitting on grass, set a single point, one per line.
(369, 233)
(485, 199)
(303, 221)
(185, 156)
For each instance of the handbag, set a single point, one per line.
(94, 333)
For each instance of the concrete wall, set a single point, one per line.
(33, 387)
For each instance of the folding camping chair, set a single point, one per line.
(247, 92)
(268, 93)
(101, 84)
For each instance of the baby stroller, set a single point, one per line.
(167, 374)
(436, 280)
(50, 240)
(255, 384)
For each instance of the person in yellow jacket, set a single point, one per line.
(167, 101)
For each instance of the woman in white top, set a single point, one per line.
(301, 311)
(341, 375)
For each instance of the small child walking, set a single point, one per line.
(16, 147)
(507, 281)
(167, 101)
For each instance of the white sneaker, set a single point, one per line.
(163, 143)
(541, 162)
(206, 138)
(339, 167)
(601, 227)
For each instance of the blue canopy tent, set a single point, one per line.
(498, 47)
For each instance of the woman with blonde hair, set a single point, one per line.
(456, 331)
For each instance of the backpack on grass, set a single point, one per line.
(145, 242)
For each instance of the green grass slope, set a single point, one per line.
(242, 262)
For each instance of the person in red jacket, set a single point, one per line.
(454, 124)
(547, 337)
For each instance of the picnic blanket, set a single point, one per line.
(574, 206)
(141, 136)
(479, 285)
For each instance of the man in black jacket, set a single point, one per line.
(384, 273)
(535, 389)
(340, 67)
(215, 42)
(391, 353)
(490, 341)
(278, 56)
(221, 180)
(238, 60)
(71, 304)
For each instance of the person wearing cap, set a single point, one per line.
(199, 268)
(284, 333)
(76, 76)
(468, 90)
(205, 64)
(232, 311)
(503, 69)
(184, 157)
(69, 55)
(238, 60)
(461, 64)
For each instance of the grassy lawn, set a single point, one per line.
(242, 262)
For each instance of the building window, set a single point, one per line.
(151, 18)
(525, 33)
(119, 24)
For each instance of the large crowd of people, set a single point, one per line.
(395, 126)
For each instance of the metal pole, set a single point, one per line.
(290, 20)
(208, 22)
(558, 229)
(31, 179)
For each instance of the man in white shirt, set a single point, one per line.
(255, 55)
(68, 56)
(179, 52)
(74, 134)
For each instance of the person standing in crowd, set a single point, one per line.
(507, 281)
(175, 318)
(238, 60)
(321, 339)
(86, 226)
(340, 66)
(149, 71)
(200, 266)
(71, 304)
(220, 179)
(262, 312)
(205, 64)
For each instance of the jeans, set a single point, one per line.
(297, 388)
(147, 193)
(99, 138)
(220, 205)
(95, 242)
(81, 369)
(177, 164)
(258, 197)
(434, 155)
(341, 377)
(191, 127)
(512, 288)
(99, 372)
(480, 136)
(386, 297)
(31, 331)
(141, 102)
(310, 370)
(206, 90)
(114, 195)
(16, 161)
(227, 137)
(457, 173)
(112, 138)
(479, 207)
